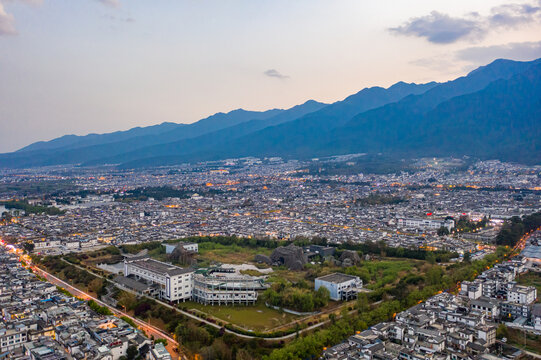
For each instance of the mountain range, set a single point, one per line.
(494, 112)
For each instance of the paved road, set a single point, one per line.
(191, 316)
(150, 330)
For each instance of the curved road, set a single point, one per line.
(187, 314)
(149, 329)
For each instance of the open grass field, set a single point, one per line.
(375, 274)
(385, 272)
(256, 318)
(228, 254)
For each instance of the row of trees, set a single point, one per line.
(409, 293)
(465, 224)
(207, 341)
(240, 241)
(102, 310)
(31, 209)
(71, 273)
(513, 229)
(379, 199)
(381, 248)
(301, 300)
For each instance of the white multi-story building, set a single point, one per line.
(159, 353)
(536, 316)
(340, 286)
(519, 294)
(221, 289)
(472, 289)
(47, 244)
(215, 286)
(188, 246)
(12, 338)
(433, 224)
(176, 283)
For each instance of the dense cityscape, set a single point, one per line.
(270, 180)
(259, 233)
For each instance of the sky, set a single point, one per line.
(95, 66)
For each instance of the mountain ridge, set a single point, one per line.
(404, 119)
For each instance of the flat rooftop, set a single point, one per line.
(532, 252)
(132, 284)
(336, 278)
(158, 266)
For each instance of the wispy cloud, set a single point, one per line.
(7, 22)
(110, 3)
(275, 74)
(439, 28)
(119, 19)
(27, 2)
(469, 58)
(513, 15)
(515, 51)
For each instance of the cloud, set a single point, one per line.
(110, 3)
(439, 28)
(27, 2)
(467, 59)
(513, 15)
(7, 22)
(275, 74)
(485, 54)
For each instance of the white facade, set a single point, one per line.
(176, 283)
(159, 353)
(223, 290)
(433, 224)
(522, 294)
(536, 316)
(40, 245)
(473, 290)
(193, 247)
(340, 286)
(12, 338)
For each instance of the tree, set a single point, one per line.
(442, 231)
(467, 257)
(128, 300)
(28, 247)
(434, 275)
(243, 355)
(502, 331)
(131, 352)
(221, 350)
(95, 285)
(162, 341)
(321, 297)
(430, 257)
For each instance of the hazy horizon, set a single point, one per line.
(101, 66)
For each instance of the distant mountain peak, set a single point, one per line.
(405, 118)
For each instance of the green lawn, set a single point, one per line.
(256, 318)
(228, 254)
